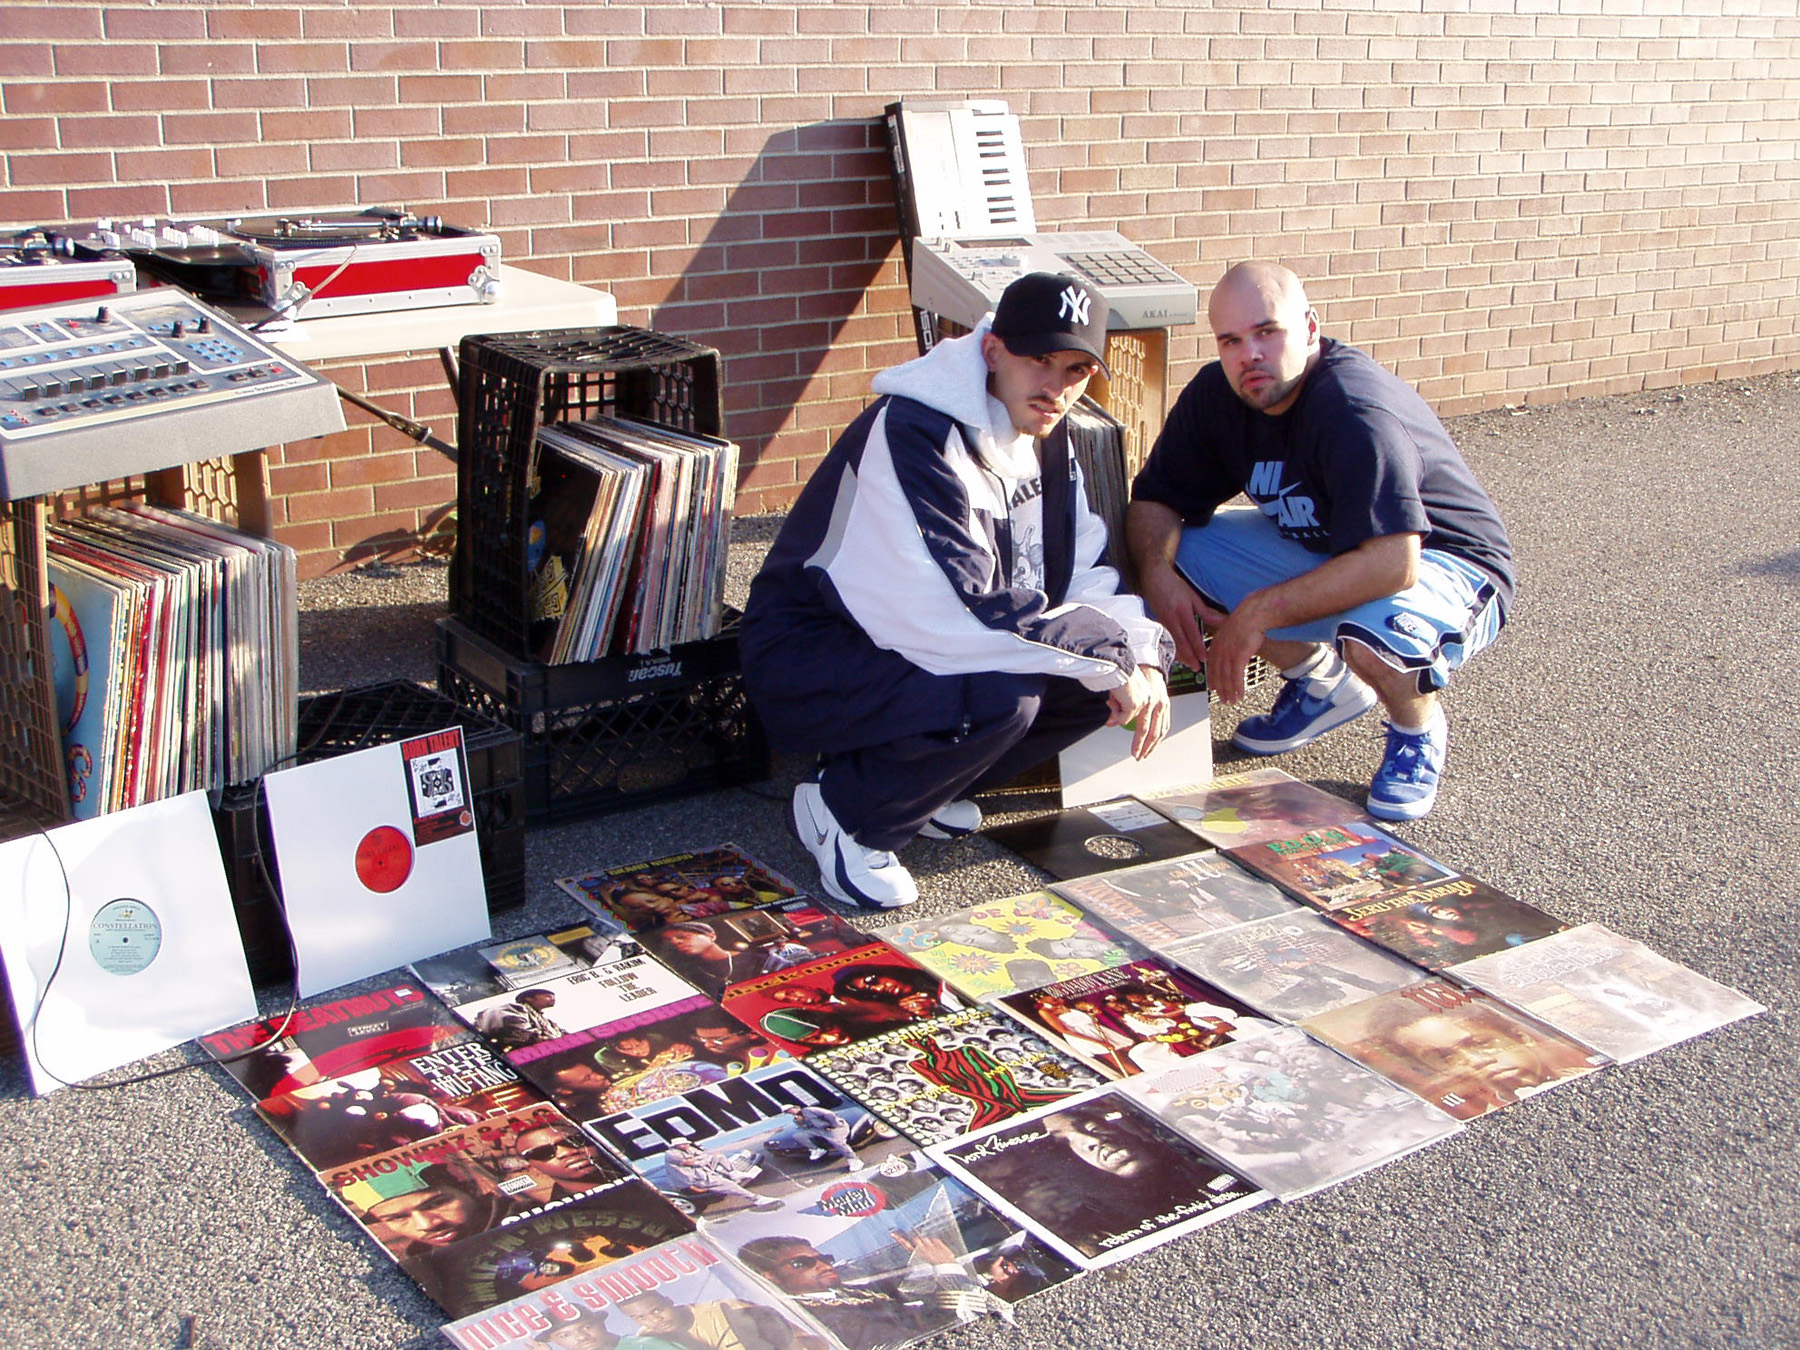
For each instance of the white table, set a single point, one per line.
(528, 302)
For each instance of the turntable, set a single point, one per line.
(307, 266)
(43, 267)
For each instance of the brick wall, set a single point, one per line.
(1505, 200)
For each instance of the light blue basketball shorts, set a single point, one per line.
(1450, 613)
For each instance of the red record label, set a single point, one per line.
(384, 859)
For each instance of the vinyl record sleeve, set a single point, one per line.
(691, 1278)
(1163, 902)
(1251, 807)
(1289, 1113)
(740, 1143)
(378, 858)
(1458, 1048)
(1099, 838)
(1017, 942)
(1099, 766)
(1098, 1177)
(890, 1255)
(1608, 991)
(119, 939)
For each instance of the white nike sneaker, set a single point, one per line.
(867, 877)
(952, 821)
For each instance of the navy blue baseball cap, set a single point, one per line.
(1042, 312)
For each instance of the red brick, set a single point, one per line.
(37, 204)
(313, 124)
(359, 24)
(164, 165)
(39, 133)
(58, 169)
(209, 128)
(251, 161)
(260, 94)
(110, 59)
(212, 58)
(61, 97)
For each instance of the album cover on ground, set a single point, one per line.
(956, 1073)
(741, 1143)
(837, 1000)
(685, 1293)
(1437, 926)
(1162, 902)
(1289, 1113)
(1608, 991)
(485, 970)
(504, 1263)
(330, 1038)
(893, 1254)
(1098, 1177)
(1137, 1018)
(1003, 946)
(453, 1186)
(643, 1057)
(681, 886)
(1336, 866)
(1252, 807)
(723, 950)
(522, 1022)
(1293, 966)
(404, 1101)
(1457, 1048)
(1085, 840)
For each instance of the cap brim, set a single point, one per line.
(1042, 344)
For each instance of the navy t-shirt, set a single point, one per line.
(1359, 455)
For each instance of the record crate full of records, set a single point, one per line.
(587, 608)
(593, 493)
(340, 723)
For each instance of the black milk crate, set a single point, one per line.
(512, 384)
(354, 719)
(617, 733)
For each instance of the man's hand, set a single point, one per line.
(1177, 607)
(1145, 698)
(1237, 637)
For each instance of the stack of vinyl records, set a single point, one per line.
(631, 522)
(174, 653)
(1097, 441)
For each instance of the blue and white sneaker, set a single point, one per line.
(1301, 715)
(1405, 787)
(952, 821)
(866, 877)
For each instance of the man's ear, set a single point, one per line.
(990, 350)
(1312, 326)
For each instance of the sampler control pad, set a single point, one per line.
(76, 378)
(962, 279)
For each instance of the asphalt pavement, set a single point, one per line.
(1628, 753)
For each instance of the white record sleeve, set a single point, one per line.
(1099, 766)
(378, 858)
(118, 935)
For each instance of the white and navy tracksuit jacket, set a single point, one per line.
(891, 583)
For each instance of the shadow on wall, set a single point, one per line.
(782, 278)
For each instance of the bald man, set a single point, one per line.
(1370, 564)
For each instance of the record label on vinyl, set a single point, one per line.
(384, 859)
(124, 937)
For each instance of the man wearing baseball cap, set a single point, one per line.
(934, 618)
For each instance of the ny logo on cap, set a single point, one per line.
(1074, 305)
